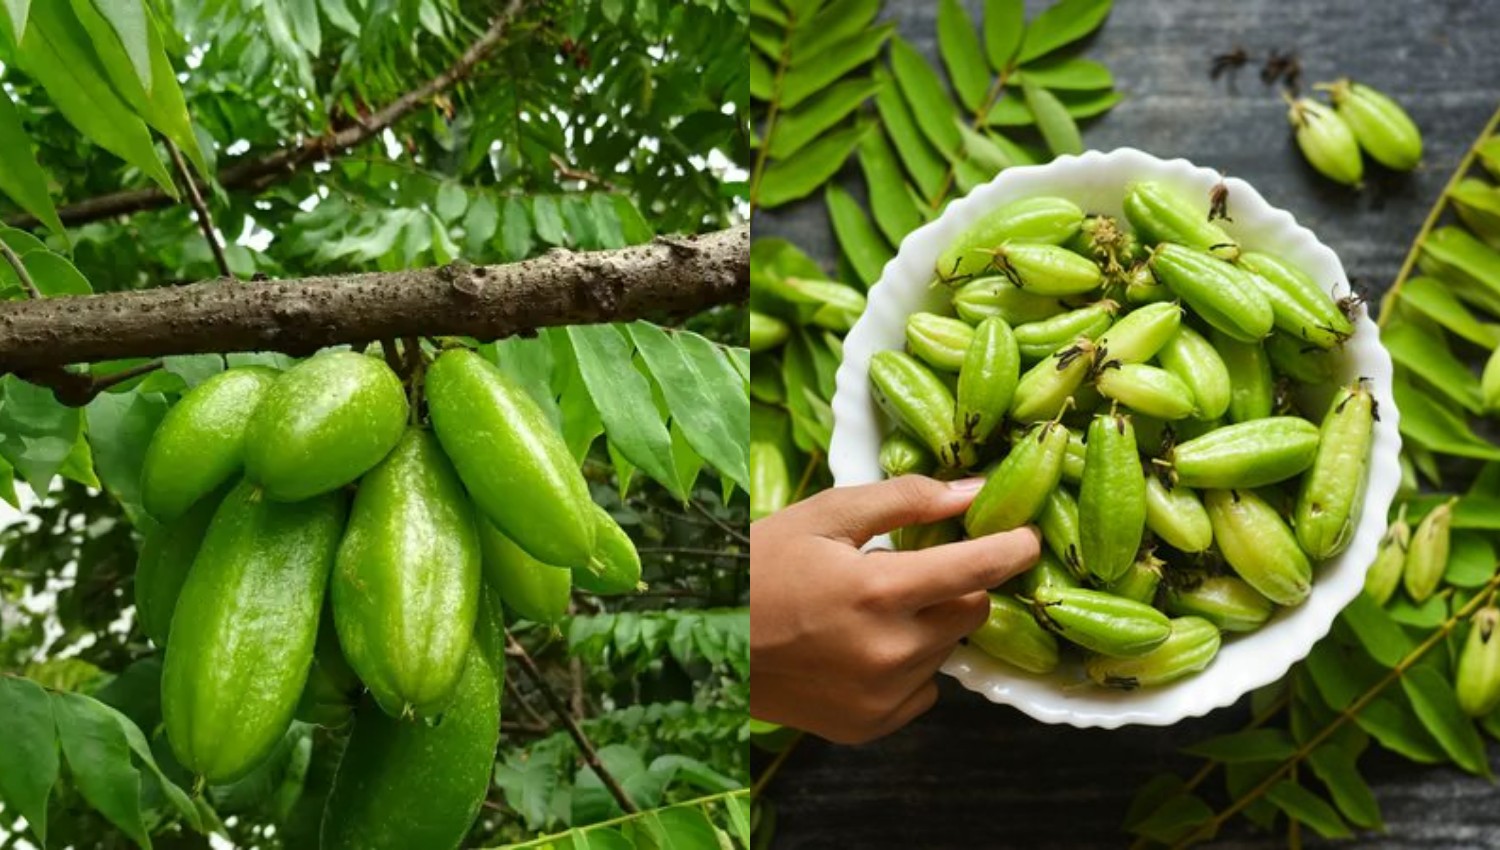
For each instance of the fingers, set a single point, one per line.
(915, 705)
(855, 514)
(947, 622)
(915, 580)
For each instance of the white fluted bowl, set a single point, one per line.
(1097, 181)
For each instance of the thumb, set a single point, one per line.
(855, 514)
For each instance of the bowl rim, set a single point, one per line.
(1297, 630)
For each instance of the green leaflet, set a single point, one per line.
(623, 397)
(1052, 119)
(1428, 357)
(20, 176)
(795, 129)
(1435, 426)
(57, 52)
(805, 81)
(704, 394)
(959, 45)
(861, 243)
(1432, 298)
(1336, 768)
(933, 110)
(1070, 73)
(1308, 808)
(1062, 24)
(1436, 705)
(1013, 111)
(895, 212)
(1004, 27)
(791, 179)
(29, 757)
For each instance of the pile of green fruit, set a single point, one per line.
(251, 476)
(1133, 393)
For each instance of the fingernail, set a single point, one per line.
(966, 485)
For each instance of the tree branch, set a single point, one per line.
(514, 649)
(205, 221)
(667, 277)
(258, 173)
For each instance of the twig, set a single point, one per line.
(689, 550)
(205, 221)
(258, 173)
(775, 766)
(519, 697)
(996, 92)
(514, 649)
(1282, 701)
(814, 460)
(1431, 221)
(549, 841)
(1438, 636)
(21, 272)
(76, 389)
(297, 317)
(724, 526)
(783, 63)
(568, 172)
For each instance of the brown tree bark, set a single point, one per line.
(672, 276)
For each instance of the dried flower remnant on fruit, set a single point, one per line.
(1218, 201)
(1284, 67)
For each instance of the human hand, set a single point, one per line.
(844, 644)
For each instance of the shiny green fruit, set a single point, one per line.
(166, 556)
(615, 567)
(406, 585)
(323, 424)
(511, 458)
(404, 785)
(243, 634)
(536, 591)
(200, 443)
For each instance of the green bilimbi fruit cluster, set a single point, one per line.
(1131, 391)
(1360, 118)
(278, 595)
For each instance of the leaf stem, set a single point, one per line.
(1438, 635)
(813, 460)
(995, 93)
(514, 649)
(1431, 221)
(1270, 711)
(21, 272)
(783, 62)
(775, 766)
(700, 803)
(205, 221)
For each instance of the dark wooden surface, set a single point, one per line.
(973, 774)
